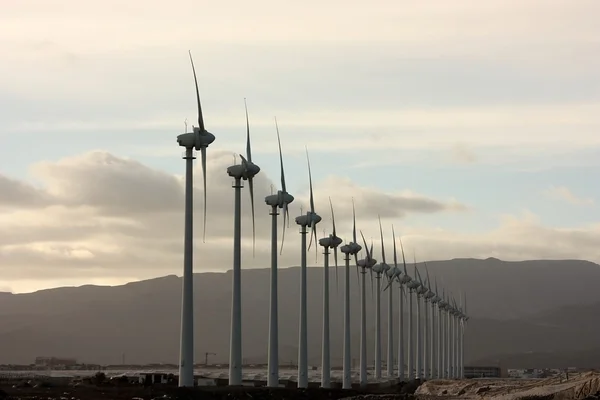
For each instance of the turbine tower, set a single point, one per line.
(331, 241)
(442, 307)
(464, 319)
(392, 275)
(366, 263)
(405, 280)
(352, 248)
(413, 286)
(427, 353)
(438, 301)
(198, 139)
(379, 269)
(280, 200)
(247, 170)
(420, 293)
(432, 344)
(309, 219)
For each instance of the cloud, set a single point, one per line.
(564, 194)
(461, 153)
(104, 216)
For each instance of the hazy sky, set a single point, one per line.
(472, 126)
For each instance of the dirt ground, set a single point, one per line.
(174, 393)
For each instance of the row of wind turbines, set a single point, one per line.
(435, 350)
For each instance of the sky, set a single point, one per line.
(472, 127)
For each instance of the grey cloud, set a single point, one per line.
(16, 193)
(120, 217)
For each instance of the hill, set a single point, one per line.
(514, 307)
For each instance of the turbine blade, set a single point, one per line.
(403, 257)
(287, 212)
(372, 283)
(251, 187)
(248, 147)
(280, 158)
(354, 223)
(200, 119)
(285, 209)
(314, 233)
(203, 153)
(357, 267)
(366, 247)
(312, 200)
(427, 271)
(387, 286)
(332, 216)
(335, 258)
(395, 254)
(382, 246)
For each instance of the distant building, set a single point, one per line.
(54, 362)
(484, 372)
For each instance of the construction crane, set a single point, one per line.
(206, 357)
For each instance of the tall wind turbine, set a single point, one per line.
(439, 302)
(427, 296)
(280, 200)
(309, 219)
(432, 341)
(366, 263)
(199, 139)
(352, 248)
(331, 241)
(247, 170)
(420, 293)
(464, 318)
(405, 280)
(379, 269)
(392, 275)
(442, 307)
(413, 287)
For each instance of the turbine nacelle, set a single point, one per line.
(308, 219)
(413, 285)
(429, 295)
(393, 272)
(367, 262)
(380, 268)
(351, 248)
(196, 139)
(405, 280)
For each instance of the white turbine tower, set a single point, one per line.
(421, 290)
(379, 269)
(433, 348)
(280, 200)
(448, 339)
(366, 263)
(427, 353)
(438, 301)
(413, 287)
(247, 170)
(352, 248)
(309, 219)
(199, 139)
(392, 275)
(329, 242)
(442, 307)
(464, 319)
(405, 280)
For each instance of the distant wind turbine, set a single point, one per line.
(413, 286)
(279, 200)
(420, 292)
(379, 269)
(392, 275)
(309, 219)
(247, 170)
(367, 263)
(427, 296)
(331, 241)
(199, 139)
(352, 248)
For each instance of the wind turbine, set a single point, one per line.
(331, 241)
(352, 248)
(464, 319)
(199, 139)
(247, 170)
(392, 275)
(420, 293)
(413, 287)
(427, 296)
(309, 219)
(280, 200)
(448, 339)
(443, 329)
(439, 302)
(379, 269)
(366, 263)
(432, 344)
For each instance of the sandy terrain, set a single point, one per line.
(577, 387)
